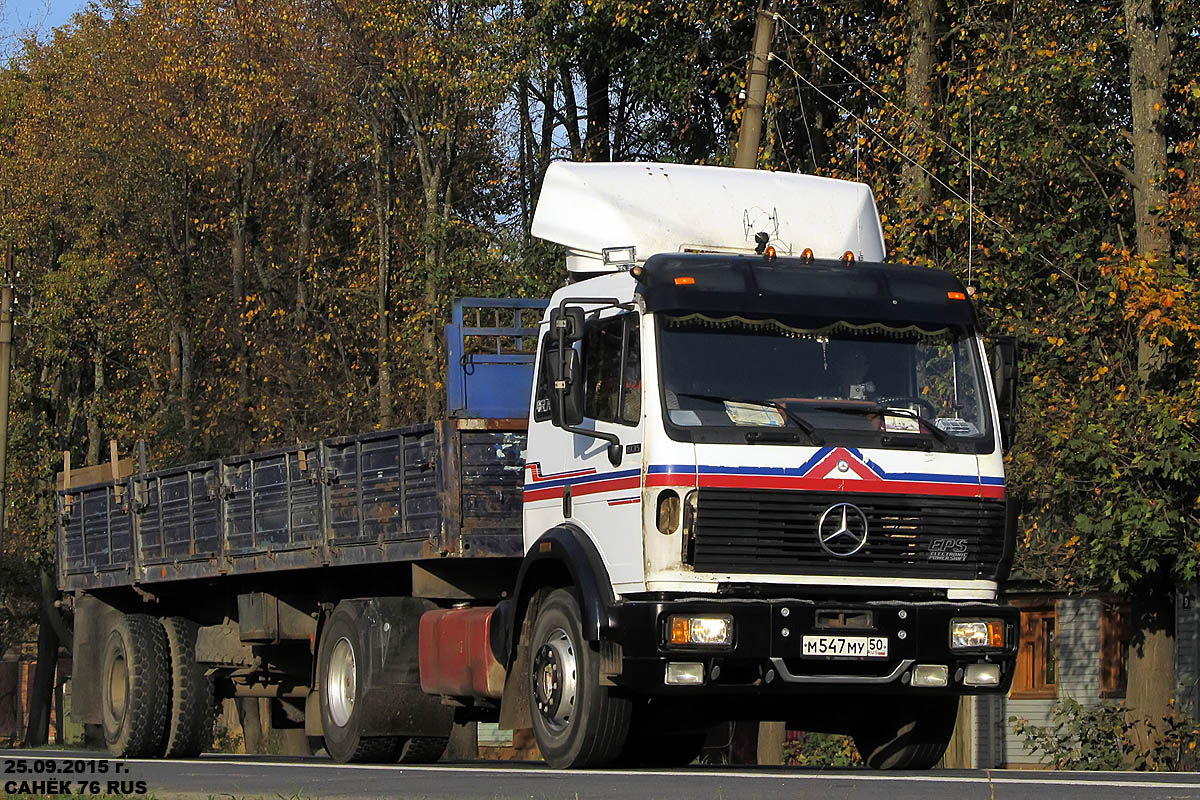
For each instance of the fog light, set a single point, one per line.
(668, 511)
(973, 634)
(685, 673)
(982, 675)
(930, 675)
(714, 630)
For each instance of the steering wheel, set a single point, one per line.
(919, 401)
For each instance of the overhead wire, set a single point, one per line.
(908, 115)
(970, 205)
(804, 117)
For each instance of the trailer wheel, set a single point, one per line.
(576, 721)
(422, 749)
(913, 734)
(190, 726)
(339, 671)
(135, 687)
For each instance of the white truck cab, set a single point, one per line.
(784, 455)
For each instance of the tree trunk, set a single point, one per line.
(382, 184)
(239, 248)
(770, 743)
(525, 151)
(41, 693)
(571, 114)
(918, 99)
(1150, 41)
(598, 80)
(95, 434)
(186, 351)
(254, 733)
(1151, 672)
(547, 142)
(304, 244)
(434, 158)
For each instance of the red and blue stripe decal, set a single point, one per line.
(831, 469)
(823, 472)
(582, 482)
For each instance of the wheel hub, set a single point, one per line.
(554, 677)
(341, 682)
(118, 683)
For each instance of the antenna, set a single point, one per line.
(856, 139)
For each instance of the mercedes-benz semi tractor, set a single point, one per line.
(737, 468)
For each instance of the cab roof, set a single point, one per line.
(823, 289)
(677, 208)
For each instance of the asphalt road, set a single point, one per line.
(258, 777)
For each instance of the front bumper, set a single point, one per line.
(767, 652)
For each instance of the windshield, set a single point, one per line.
(838, 382)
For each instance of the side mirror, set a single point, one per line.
(1003, 360)
(567, 321)
(566, 399)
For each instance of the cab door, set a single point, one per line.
(608, 503)
(570, 476)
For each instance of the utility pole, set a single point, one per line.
(6, 300)
(756, 90)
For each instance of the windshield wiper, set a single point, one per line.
(800, 421)
(866, 408)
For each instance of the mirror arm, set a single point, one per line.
(615, 450)
(601, 302)
(614, 442)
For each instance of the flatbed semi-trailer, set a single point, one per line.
(738, 468)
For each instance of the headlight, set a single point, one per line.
(975, 634)
(709, 629)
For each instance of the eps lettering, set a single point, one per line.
(945, 549)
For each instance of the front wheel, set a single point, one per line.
(576, 721)
(911, 734)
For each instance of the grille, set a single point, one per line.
(769, 531)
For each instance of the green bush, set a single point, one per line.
(821, 750)
(1079, 736)
(1105, 736)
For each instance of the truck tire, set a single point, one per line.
(576, 721)
(135, 687)
(422, 749)
(339, 674)
(913, 735)
(190, 724)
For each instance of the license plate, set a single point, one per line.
(845, 646)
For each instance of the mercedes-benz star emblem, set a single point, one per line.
(842, 530)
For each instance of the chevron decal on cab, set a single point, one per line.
(839, 469)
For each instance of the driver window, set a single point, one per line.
(612, 370)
